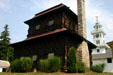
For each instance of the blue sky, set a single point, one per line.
(15, 12)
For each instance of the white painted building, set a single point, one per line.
(103, 53)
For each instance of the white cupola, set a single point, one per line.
(98, 38)
(98, 34)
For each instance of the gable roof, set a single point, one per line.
(53, 9)
(50, 10)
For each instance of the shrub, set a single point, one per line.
(72, 60)
(16, 66)
(82, 68)
(73, 65)
(22, 65)
(54, 63)
(27, 64)
(44, 65)
(98, 68)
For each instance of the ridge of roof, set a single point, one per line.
(49, 10)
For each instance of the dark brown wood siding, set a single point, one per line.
(70, 22)
(43, 22)
(41, 47)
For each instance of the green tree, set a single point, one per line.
(6, 51)
(72, 60)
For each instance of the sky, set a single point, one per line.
(15, 12)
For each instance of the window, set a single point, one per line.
(100, 35)
(97, 42)
(97, 35)
(97, 27)
(98, 50)
(37, 27)
(34, 57)
(109, 60)
(51, 23)
(50, 54)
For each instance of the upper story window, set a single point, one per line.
(51, 22)
(97, 42)
(109, 60)
(97, 35)
(37, 27)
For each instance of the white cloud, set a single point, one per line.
(2, 5)
(5, 5)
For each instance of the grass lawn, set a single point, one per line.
(57, 73)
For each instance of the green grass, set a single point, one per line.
(57, 73)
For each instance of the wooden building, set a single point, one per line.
(54, 30)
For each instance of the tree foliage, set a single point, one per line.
(6, 51)
(72, 60)
(73, 65)
(99, 68)
(52, 64)
(22, 65)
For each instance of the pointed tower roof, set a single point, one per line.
(98, 28)
(97, 23)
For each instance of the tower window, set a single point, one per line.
(98, 50)
(97, 35)
(109, 60)
(51, 23)
(37, 27)
(97, 42)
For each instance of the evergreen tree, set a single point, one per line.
(72, 60)
(6, 51)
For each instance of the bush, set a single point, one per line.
(52, 64)
(16, 66)
(72, 61)
(82, 68)
(44, 65)
(22, 65)
(73, 65)
(27, 64)
(98, 68)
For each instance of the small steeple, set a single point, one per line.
(98, 33)
(99, 38)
